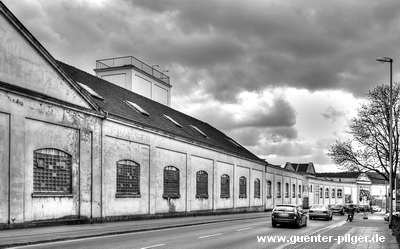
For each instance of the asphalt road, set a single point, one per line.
(232, 234)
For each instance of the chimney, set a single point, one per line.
(136, 76)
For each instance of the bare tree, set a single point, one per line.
(368, 150)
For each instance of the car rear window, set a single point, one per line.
(286, 209)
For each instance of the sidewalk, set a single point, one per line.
(349, 232)
(27, 236)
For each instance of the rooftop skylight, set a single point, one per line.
(199, 131)
(172, 120)
(233, 142)
(91, 91)
(137, 108)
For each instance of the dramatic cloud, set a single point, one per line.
(278, 76)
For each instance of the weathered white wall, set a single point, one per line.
(23, 66)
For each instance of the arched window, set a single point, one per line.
(269, 189)
(293, 190)
(171, 182)
(225, 186)
(339, 193)
(242, 187)
(52, 172)
(321, 193)
(201, 184)
(257, 188)
(286, 190)
(299, 191)
(278, 190)
(327, 193)
(128, 178)
(333, 193)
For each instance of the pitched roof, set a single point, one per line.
(301, 167)
(373, 176)
(114, 102)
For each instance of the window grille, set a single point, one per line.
(257, 188)
(287, 190)
(339, 193)
(279, 190)
(242, 187)
(293, 190)
(269, 189)
(299, 191)
(128, 179)
(225, 186)
(327, 193)
(52, 172)
(201, 184)
(171, 182)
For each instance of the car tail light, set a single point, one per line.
(311, 211)
(295, 217)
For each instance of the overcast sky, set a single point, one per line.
(282, 78)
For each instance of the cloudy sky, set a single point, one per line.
(281, 77)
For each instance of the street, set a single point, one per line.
(232, 234)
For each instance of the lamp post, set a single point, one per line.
(390, 60)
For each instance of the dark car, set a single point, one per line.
(337, 209)
(289, 214)
(320, 211)
(356, 208)
(364, 208)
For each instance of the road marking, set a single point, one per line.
(152, 246)
(243, 229)
(211, 235)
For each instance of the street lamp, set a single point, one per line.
(390, 60)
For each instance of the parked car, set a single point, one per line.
(320, 211)
(386, 217)
(376, 209)
(289, 214)
(337, 209)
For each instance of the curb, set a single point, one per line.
(99, 234)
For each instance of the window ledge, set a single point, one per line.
(242, 196)
(269, 196)
(202, 196)
(49, 194)
(225, 196)
(257, 197)
(128, 195)
(173, 196)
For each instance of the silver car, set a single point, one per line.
(320, 211)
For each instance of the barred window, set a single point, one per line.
(242, 187)
(327, 193)
(293, 190)
(225, 188)
(339, 193)
(171, 182)
(269, 189)
(128, 179)
(287, 190)
(333, 193)
(52, 172)
(201, 184)
(278, 190)
(257, 188)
